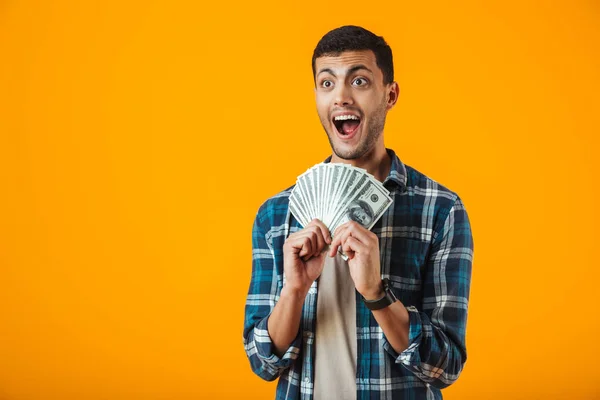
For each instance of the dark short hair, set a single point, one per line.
(355, 38)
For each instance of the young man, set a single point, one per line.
(389, 322)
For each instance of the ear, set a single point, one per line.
(393, 94)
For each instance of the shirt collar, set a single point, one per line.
(397, 175)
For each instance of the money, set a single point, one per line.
(337, 193)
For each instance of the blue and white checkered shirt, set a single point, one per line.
(426, 249)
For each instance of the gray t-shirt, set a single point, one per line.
(335, 337)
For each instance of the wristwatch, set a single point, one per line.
(387, 299)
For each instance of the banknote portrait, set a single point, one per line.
(361, 212)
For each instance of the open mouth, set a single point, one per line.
(346, 125)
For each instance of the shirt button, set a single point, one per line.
(307, 379)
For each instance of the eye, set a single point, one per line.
(360, 82)
(326, 84)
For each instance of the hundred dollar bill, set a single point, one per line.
(367, 206)
(337, 193)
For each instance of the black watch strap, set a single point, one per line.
(387, 299)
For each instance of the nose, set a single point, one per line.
(343, 96)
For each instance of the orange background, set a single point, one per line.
(138, 139)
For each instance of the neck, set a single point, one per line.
(377, 162)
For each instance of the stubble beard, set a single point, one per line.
(374, 129)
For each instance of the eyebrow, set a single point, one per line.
(350, 71)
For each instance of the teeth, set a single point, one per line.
(345, 117)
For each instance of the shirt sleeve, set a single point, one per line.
(262, 296)
(436, 351)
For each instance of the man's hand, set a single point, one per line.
(303, 256)
(362, 248)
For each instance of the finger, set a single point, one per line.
(311, 234)
(296, 239)
(303, 245)
(353, 245)
(337, 241)
(324, 230)
(319, 240)
(313, 240)
(340, 248)
(322, 235)
(340, 229)
(346, 249)
(357, 232)
(349, 253)
(360, 232)
(344, 235)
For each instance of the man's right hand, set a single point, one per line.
(304, 256)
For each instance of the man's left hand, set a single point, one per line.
(362, 248)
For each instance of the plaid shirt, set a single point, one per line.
(426, 251)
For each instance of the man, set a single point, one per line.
(390, 322)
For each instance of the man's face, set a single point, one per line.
(352, 101)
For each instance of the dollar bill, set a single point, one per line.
(338, 193)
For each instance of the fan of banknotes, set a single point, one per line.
(336, 193)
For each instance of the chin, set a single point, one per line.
(350, 154)
(344, 151)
